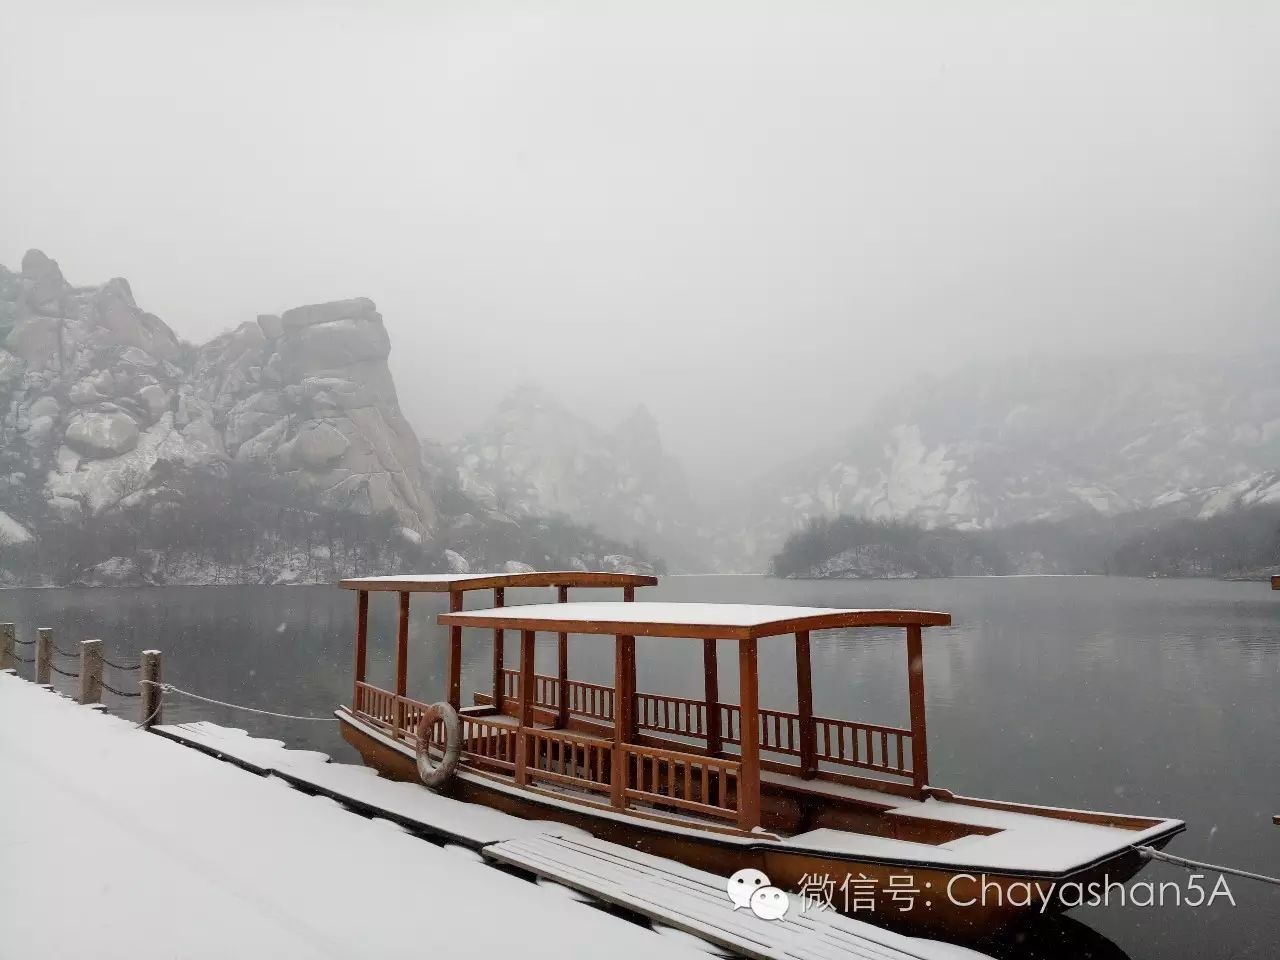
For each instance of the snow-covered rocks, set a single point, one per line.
(102, 433)
(12, 533)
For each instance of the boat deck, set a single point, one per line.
(1021, 841)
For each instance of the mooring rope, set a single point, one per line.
(1151, 853)
(234, 706)
(156, 711)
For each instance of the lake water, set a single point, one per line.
(1140, 696)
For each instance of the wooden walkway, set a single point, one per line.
(695, 901)
(663, 891)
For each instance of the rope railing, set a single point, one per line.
(24, 643)
(70, 656)
(22, 659)
(121, 666)
(64, 673)
(170, 688)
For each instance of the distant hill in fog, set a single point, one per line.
(1044, 442)
(1244, 542)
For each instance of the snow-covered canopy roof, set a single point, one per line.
(461, 582)
(722, 621)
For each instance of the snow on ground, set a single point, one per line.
(118, 843)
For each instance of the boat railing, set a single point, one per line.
(486, 743)
(868, 745)
(850, 743)
(697, 782)
(688, 781)
(584, 763)
(667, 714)
(586, 699)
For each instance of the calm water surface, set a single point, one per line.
(1141, 696)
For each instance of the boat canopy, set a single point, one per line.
(463, 582)
(721, 621)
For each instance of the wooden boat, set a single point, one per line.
(722, 786)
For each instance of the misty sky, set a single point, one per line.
(755, 222)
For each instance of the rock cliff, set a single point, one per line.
(103, 409)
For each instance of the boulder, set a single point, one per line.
(94, 388)
(100, 433)
(272, 327)
(35, 340)
(127, 325)
(314, 313)
(44, 283)
(334, 345)
(11, 369)
(457, 562)
(12, 533)
(515, 566)
(155, 398)
(319, 444)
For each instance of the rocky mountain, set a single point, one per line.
(994, 447)
(534, 458)
(276, 452)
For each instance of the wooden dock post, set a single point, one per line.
(90, 671)
(44, 655)
(151, 709)
(8, 656)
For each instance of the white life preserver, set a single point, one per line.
(436, 773)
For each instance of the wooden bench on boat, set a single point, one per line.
(721, 785)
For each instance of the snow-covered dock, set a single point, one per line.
(119, 843)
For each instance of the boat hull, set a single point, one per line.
(958, 903)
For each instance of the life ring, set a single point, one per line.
(435, 773)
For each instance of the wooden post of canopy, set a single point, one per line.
(523, 740)
(804, 706)
(711, 688)
(402, 664)
(562, 668)
(628, 594)
(362, 647)
(454, 695)
(499, 600)
(915, 691)
(624, 698)
(749, 772)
